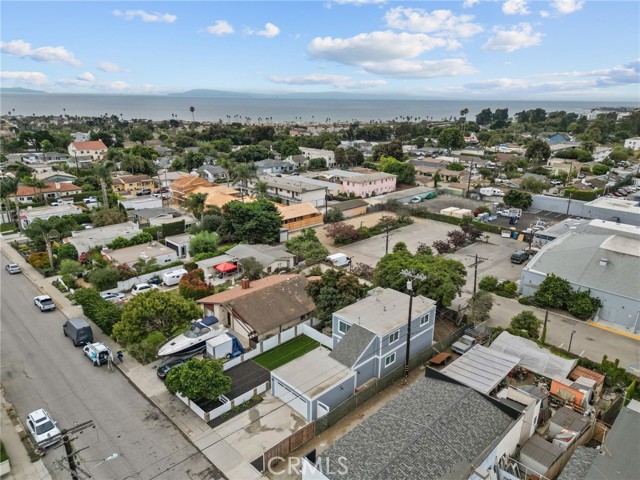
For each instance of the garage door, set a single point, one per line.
(298, 403)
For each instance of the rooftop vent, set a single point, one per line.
(603, 262)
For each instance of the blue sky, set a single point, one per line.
(502, 49)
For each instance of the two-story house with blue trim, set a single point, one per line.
(370, 336)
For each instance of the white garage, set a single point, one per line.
(313, 384)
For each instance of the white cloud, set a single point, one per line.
(336, 81)
(30, 78)
(469, 3)
(515, 7)
(421, 68)
(221, 27)
(544, 13)
(438, 22)
(270, 30)
(146, 16)
(567, 6)
(22, 49)
(110, 67)
(512, 39)
(594, 80)
(374, 47)
(86, 77)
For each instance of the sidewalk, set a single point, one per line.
(21, 465)
(143, 378)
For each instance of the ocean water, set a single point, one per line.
(268, 109)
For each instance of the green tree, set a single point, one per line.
(195, 203)
(71, 267)
(254, 222)
(451, 138)
(333, 215)
(108, 216)
(154, 311)
(488, 283)
(599, 169)
(582, 305)
(405, 172)
(526, 325)
(204, 242)
(518, 199)
(336, 290)
(391, 149)
(120, 242)
(9, 187)
(538, 151)
(534, 185)
(67, 251)
(140, 134)
(342, 233)
(553, 292)
(480, 305)
(445, 277)
(306, 246)
(104, 278)
(193, 286)
(287, 148)
(251, 268)
(199, 380)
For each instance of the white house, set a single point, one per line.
(632, 143)
(146, 252)
(95, 149)
(30, 214)
(291, 190)
(85, 240)
(327, 155)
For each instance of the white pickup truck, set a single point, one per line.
(464, 344)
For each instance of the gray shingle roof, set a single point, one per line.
(566, 418)
(579, 464)
(543, 452)
(349, 204)
(352, 345)
(434, 429)
(264, 254)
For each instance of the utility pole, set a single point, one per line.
(478, 261)
(68, 448)
(469, 183)
(386, 245)
(75, 154)
(410, 277)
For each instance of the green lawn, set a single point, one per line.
(286, 352)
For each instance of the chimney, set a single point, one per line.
(603, 262)
(245, 283)
(57, 185)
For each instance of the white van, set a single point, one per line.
(173, 277)
(339, 260)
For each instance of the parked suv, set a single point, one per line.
(42, 428)
(519, 257)
(142, 288)
(143, 192)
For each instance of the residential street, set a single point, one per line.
(42, 369)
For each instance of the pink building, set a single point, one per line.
(370, 184)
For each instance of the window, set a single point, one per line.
(424, 320)
(343, 327)
(390, 359)
(394, 336)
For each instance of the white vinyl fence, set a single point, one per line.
(128, 284)
(245, 397)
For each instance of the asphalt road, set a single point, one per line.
(40, 368)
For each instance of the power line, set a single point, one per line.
(478, 261)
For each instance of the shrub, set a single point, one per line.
(524, 301)
(103, 313)
(193, 286)
(71, 268)
(120, 242)
(147, 350)
(507, 289)
(125, 272)
(342, 233)
(69, 281)
(489, 283)
(581, 305)
(39, 260)
(104, 278)
(67, 251)
(553, 292)
(190, 266)
(441, 246)
(526, 325)
(142, 237)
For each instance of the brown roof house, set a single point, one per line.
(262, 308)
(183, 186)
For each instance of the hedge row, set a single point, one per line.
(586, 196)
(103, 313)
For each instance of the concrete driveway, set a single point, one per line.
(258, 429)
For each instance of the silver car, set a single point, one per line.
(43, 428)
(13, 268)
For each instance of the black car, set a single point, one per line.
(164, 368)
(143, 192)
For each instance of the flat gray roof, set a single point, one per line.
(481, 368)
(107, 232)
(577, 258)
(313, 373)
(385, 310)
(132, 254)
(290, 184)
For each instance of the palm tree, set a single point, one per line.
(463, 114)
(228, 165)
(243, 172)
(195, 203)
(102, 172)
(8, 187)
(261, 189)
(192, 110)
(46, 231)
